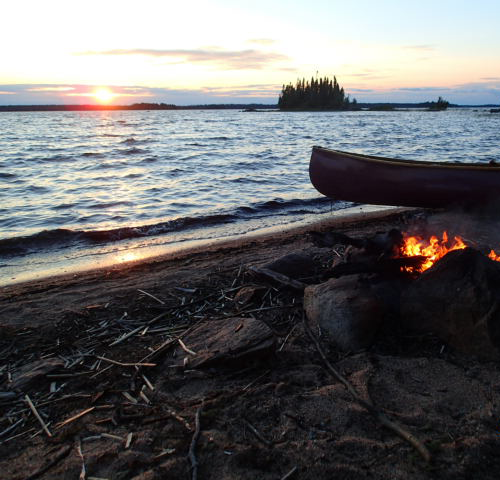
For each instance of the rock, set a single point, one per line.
(458, 299)
(294, 265)
(348, 309)
(228, 342)
(33, 372)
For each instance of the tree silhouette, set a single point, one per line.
(316, 94)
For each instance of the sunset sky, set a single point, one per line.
(236, 51)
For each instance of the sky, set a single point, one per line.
(243, 51)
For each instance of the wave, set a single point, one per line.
(61, 238)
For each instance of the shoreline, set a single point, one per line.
(38, 301)
(132, 254)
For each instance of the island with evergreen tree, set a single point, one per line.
(317, 94)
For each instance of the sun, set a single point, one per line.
(104, 95)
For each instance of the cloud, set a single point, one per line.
(50, 89)
(36, 94)
(245, 91)
(226, 59)
(422, 89)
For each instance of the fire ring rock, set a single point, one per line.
(348, 309)
(458, 299)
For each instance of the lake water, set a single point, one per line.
(84, 189)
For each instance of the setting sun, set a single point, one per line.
(104, 95)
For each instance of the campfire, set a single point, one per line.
(432, 249)
(377, 279)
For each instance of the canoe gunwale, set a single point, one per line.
(407, 163)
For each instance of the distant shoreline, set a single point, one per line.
(230, 106)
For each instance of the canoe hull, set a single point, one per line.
(384, 181)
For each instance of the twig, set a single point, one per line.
(290, 473)
(186, 349)
(192, 447)
(152, 296)
(287, 337)
(12, 427)
(75, 417)
(83, 472)
(37, 415)
(380, 416)
(121, 364)
(257, 433)
(256, 380)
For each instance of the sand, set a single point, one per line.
(71, 344)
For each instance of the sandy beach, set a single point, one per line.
(100, 378)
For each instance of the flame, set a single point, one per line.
(493, 256)
(433, 249)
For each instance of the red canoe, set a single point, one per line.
(388, 181)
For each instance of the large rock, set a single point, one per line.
(348, 309)
(458, 299)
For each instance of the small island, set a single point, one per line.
(441, 104)
(317, 94)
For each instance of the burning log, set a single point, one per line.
(387, 266)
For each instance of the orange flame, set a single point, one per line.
(433, 249)
(494, 256)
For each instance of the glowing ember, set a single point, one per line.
(433, 249)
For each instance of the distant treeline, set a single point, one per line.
(317, 94)
(135, 106)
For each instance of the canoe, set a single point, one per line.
(389, 181)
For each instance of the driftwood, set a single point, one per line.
(382, 243)
(388, 266)
(278, 277)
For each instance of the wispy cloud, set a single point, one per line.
(50, 89)
(421, 89)
(247, 91)
(2, 92)
(225, 59)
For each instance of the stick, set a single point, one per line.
(37, 415)
(114, 362)
(257, 433)
(75, 417)
(186, 349)
(381, 417)
(80, 454)
(290, 473)
(152, 296)
(192, 447)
